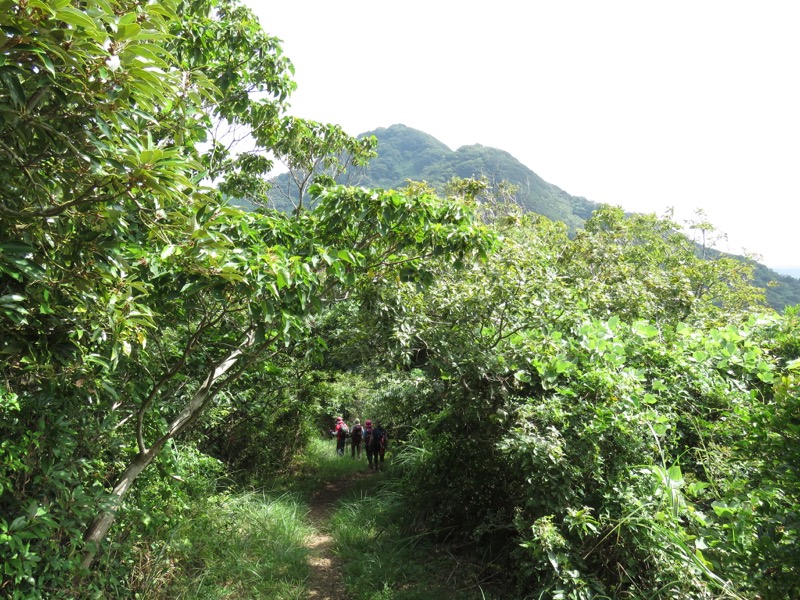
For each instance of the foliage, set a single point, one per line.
(580, 418)
(607, 412)
(782, 290)
(45, 494)
(381, 561)
(265, 419)
(314, 151)
(405, 154)
(133, 298)
(244, 545)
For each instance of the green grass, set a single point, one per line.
(316, 466)
(245, 545)
(380, 561)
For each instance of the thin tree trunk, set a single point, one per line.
(100, 525)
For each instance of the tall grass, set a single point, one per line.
(246, 545)
(381, 561)
(250, 545)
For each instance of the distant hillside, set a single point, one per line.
(782, 290)
(405, 153)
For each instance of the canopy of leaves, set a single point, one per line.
(133, 299)
(406, 154)
(578, 409)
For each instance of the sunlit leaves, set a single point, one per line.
(599, 363)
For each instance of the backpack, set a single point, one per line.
(376, 439)
(344, 430)
(357, 433)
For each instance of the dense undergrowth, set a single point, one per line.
(383, 559)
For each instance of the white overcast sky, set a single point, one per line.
(648, 105)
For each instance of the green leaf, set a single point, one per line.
(76, 17)
(723, 509)
(659, 385)
(14, 87)
(522, 376)
(675, 476)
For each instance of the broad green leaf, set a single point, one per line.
(724, 509)
(76, 17)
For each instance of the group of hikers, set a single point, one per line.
(372, 436)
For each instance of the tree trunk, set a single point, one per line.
(100, 525)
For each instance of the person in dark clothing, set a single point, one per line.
(377, 445)
(368, 441)
(356, 436)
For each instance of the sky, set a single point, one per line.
(684, 105)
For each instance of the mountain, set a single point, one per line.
(405, 153)
(782, 290)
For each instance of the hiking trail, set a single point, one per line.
(325, 581)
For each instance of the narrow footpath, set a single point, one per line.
(326, 581)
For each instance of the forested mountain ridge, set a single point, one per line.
(406, 154)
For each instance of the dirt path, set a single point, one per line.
(325, 581)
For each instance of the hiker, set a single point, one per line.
(368, 441)
(356, 435)
(342, 431)
(377, 446)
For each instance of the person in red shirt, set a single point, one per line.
(342, 431)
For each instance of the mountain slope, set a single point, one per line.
(405, 154)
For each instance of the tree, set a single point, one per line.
(588, 386)
(312, 150)
(131, 294)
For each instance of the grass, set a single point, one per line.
(381, 561)
(251, 544)
(316, 466)
(243, 545)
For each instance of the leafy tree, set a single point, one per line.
(575, 397)
(313, 149)
(643, 267)
(624, 406)
(132, 296)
